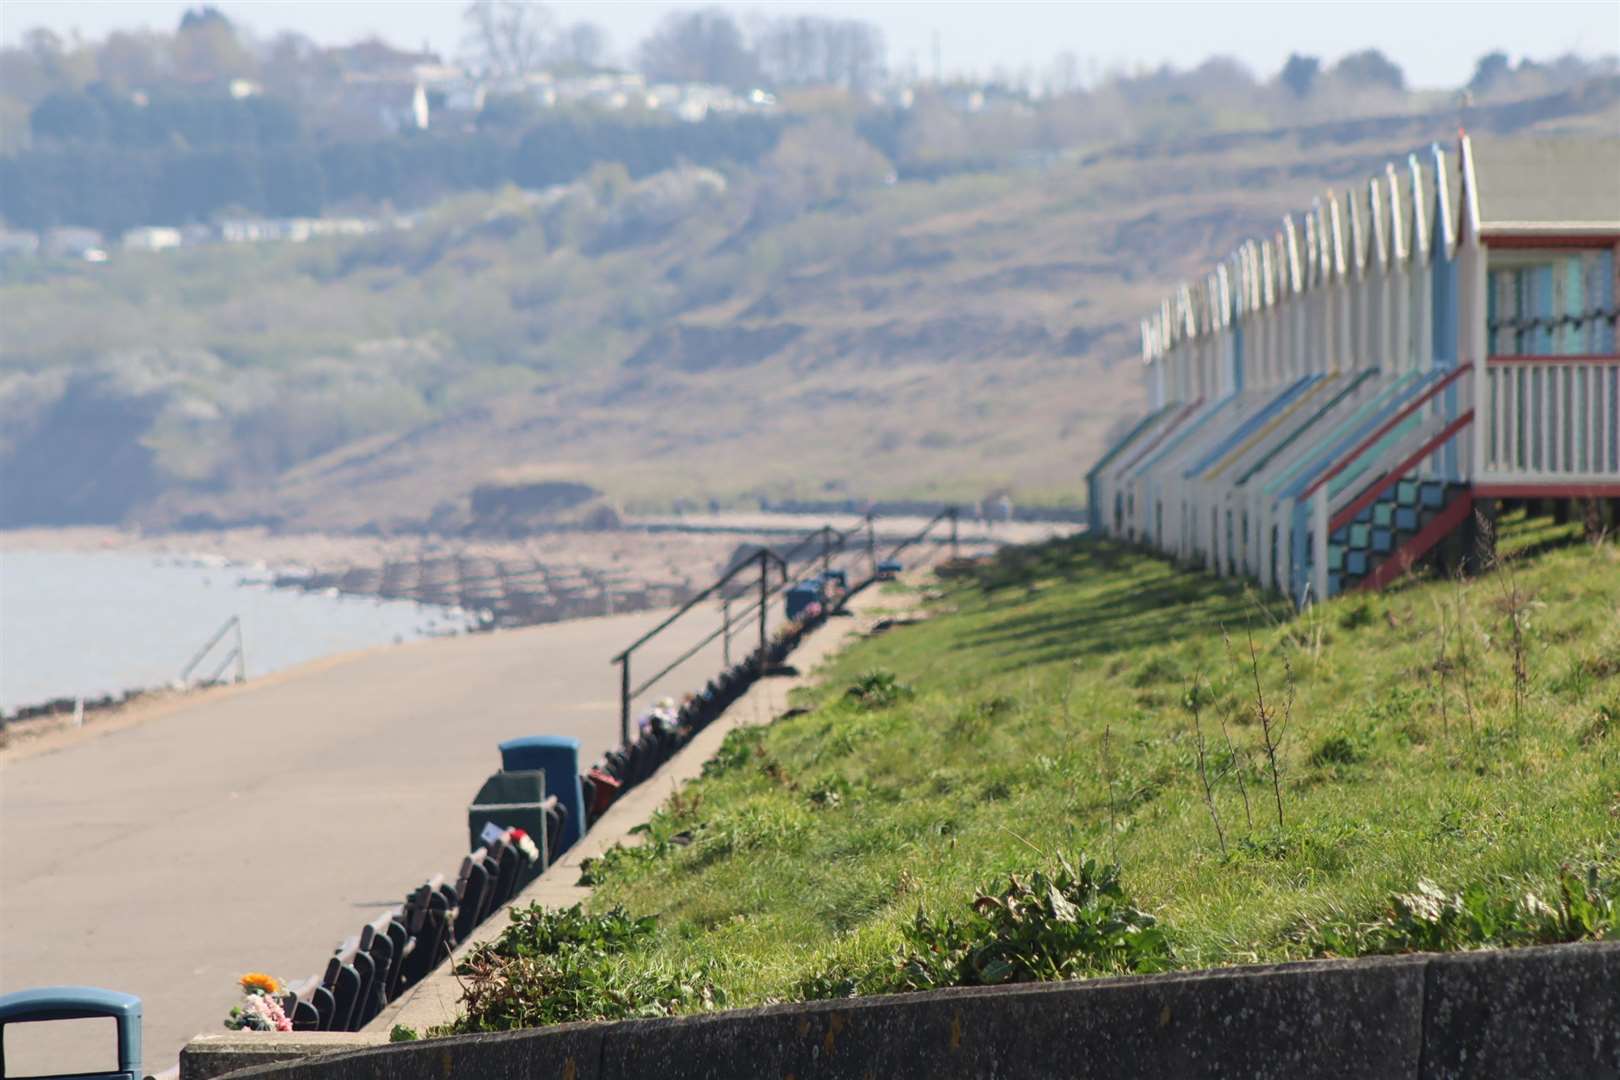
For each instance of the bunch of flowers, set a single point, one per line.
(525, 843)
(258, 1010)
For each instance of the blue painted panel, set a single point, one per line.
(1305, 425)
(1237, 355)
(1369, 416)
(1188, 431)
(1250, 426)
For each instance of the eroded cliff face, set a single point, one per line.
(517, 507)
(77, 456)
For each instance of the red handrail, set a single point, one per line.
(1370, 496)
(1401, 560)
(1384, 429)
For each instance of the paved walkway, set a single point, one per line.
(254, 830)
(436, 999)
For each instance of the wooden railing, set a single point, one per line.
(1549, 424)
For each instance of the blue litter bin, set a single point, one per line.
(801, 596)
(888, 569)
(558, 757)
(836, 577)
(80, 1003)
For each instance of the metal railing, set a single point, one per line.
(764, 558)
(822, 545)
(236, 653)
(950, 512)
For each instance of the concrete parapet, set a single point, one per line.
(1551, 1011)
(1523, 1012)
(208, 1056)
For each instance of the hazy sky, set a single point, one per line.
(1436, 43)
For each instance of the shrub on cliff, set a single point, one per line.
(551, 967)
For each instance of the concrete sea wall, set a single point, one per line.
(1524, 1013)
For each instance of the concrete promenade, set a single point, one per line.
(253, 829)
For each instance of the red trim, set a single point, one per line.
(1535, 241)
(1547, 358)
(1553, 490)
(1384, 429)
(1370, 496)
(1400, 561)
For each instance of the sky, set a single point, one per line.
(1435, 43)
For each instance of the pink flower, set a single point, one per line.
(273, 1012)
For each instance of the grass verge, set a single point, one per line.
(1088, 761)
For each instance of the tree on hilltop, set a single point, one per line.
(1491, 69)
(700, 46)
(1299, 74)
(507, 38)
(1371, 68)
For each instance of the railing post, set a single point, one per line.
(952, 512)
(624, 700)
(764, 593)
(826, 549)
(871, 547)
(241, 655)
(725, 614)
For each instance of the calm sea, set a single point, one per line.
(98, 622)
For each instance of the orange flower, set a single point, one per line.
(258, 980)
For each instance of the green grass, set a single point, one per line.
(1042, 712)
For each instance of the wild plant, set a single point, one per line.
(1194, 702)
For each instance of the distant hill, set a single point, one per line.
(810, 326)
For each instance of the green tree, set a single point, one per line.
(1299, 74)
(207, 50)
(1489, 72)
(700, 46)
(1371, 68)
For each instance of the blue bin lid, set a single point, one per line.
(76, 1003)
(805, 587)
(540, 742)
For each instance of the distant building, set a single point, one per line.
(375, 57)
(340, 227)
(18, 243)
(603, 89)
(368, 105)
(152, 238)
(247, 231)
(74, 242)
(291, 230)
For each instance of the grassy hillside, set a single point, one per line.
(806, 327)
(1046, 710)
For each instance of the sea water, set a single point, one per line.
(91, 623)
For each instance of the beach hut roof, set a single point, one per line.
(1547, 182)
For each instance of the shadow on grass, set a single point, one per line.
(1148, 601)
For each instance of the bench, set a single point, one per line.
(342, 981)
(388, 943)
(365, 968)
(473, 891)
(309, 1005)
(427, 916)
